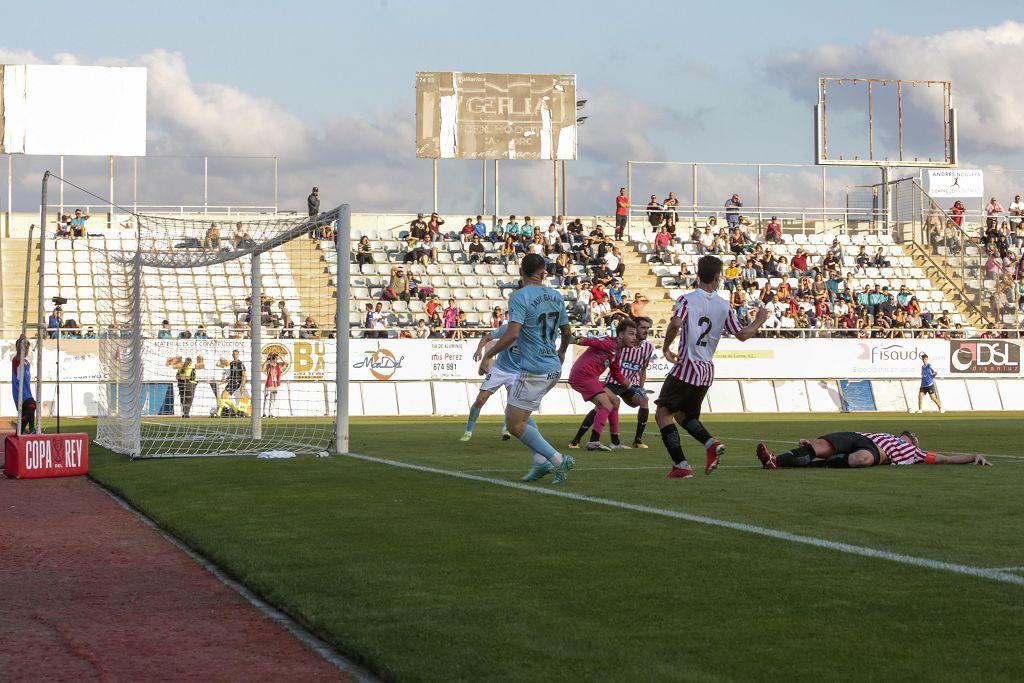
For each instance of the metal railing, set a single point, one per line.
(793, 220)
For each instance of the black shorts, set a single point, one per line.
(680, 397)
(849, 442)
(620, 221)
(930, 389)
(232, 387)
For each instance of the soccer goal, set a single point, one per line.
(220, 337)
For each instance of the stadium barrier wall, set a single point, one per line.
(439, 376)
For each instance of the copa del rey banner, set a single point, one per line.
(386, 360)
(956, 182)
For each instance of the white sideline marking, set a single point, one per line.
(624, 467)
(847, 548)
(1008, 569)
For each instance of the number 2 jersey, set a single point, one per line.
(541, 312)
(704, 317)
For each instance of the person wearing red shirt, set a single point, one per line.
(957, 212)
(585, 378)
(773, 233)
(621, 213)
(598, 293)
(273, 373)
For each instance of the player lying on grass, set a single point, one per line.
(857, 449)
(699, 319)
(585, 378)
(499, 372)
(633, 362)
(536, 320)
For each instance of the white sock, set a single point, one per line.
(683, 465)
(556, 459)
(539, 459)
(707, 444)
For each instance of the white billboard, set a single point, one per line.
(950, 182)
(73, 110)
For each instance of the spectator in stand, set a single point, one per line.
(773, 231)
(458, 334)
(836, 254)
(433, 306)
(77, 225)
(1000, 302)
(661, 243)
(418, 227)
(480, 228)
(64, 226)
(737, 244)
(498, 318)
(536, 246)
(669, 212)
(310, 330)
(834, 285)
(364, 253)
(184, 334)
(54, 323)
(706, 243)
(621, 213)
(239, 235)
(617, 293)
(749, 273)
(654, 215)
(201, 332)
(413, 250)
(880, 261)
(165, 330)
(429, 248)
(313, 202)
(992, 211)
(732, 210)
(527, 228)
(581, 309)
(512, 227)
(434, 226)
(476, 250)
(498, 231)
(90, 333)
(957, 212)
(211, 242)
(638, 307)
(783, 269)
(451, 317)
(421, 331)
(398, 287)
(1016, 212)
(468, 230)
(562, 269)
(614, 262)
(508, 253)
(800, 266)
(731, 280)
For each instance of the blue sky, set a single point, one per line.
(666, 81)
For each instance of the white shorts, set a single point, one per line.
(529, 390)
(498, 378)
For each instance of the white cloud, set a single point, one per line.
(981, 63)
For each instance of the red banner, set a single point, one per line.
(34, 456)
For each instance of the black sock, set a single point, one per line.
(588, 422)
(801, 456)
(641, 423)
(670, 437)
(695, 429)
(615, 439)
(594, 436)
(840, 460)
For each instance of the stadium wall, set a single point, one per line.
(439, 376)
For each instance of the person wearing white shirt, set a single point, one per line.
(707, 241)
(1016, 211)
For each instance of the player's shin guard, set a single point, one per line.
(801, 456)
(474, 413)
(588, 422)
(695, 429)
(641, 423)
(839, 460)
(670, 437)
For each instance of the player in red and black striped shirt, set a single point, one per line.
(861, 449)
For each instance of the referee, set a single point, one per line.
(928, 376)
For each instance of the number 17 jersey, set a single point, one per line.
(704, 316)
(541, 311)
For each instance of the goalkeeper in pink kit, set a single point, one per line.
(585, 377)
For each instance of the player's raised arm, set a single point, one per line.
(750, 330)
(484, 341)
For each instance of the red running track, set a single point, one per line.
(91, 593)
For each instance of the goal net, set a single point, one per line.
(218, 337)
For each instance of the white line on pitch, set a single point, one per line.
(1008, 569)
(587, 468)
(847, 548)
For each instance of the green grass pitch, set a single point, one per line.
(423, 576)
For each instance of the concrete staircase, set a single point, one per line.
(949, 281)
(311, 279)
(640, 278)
(13, 285)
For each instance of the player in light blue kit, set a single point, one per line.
(928, 376)
(536, 319)
(502, 373)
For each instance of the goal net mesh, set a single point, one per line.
(216, 337)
